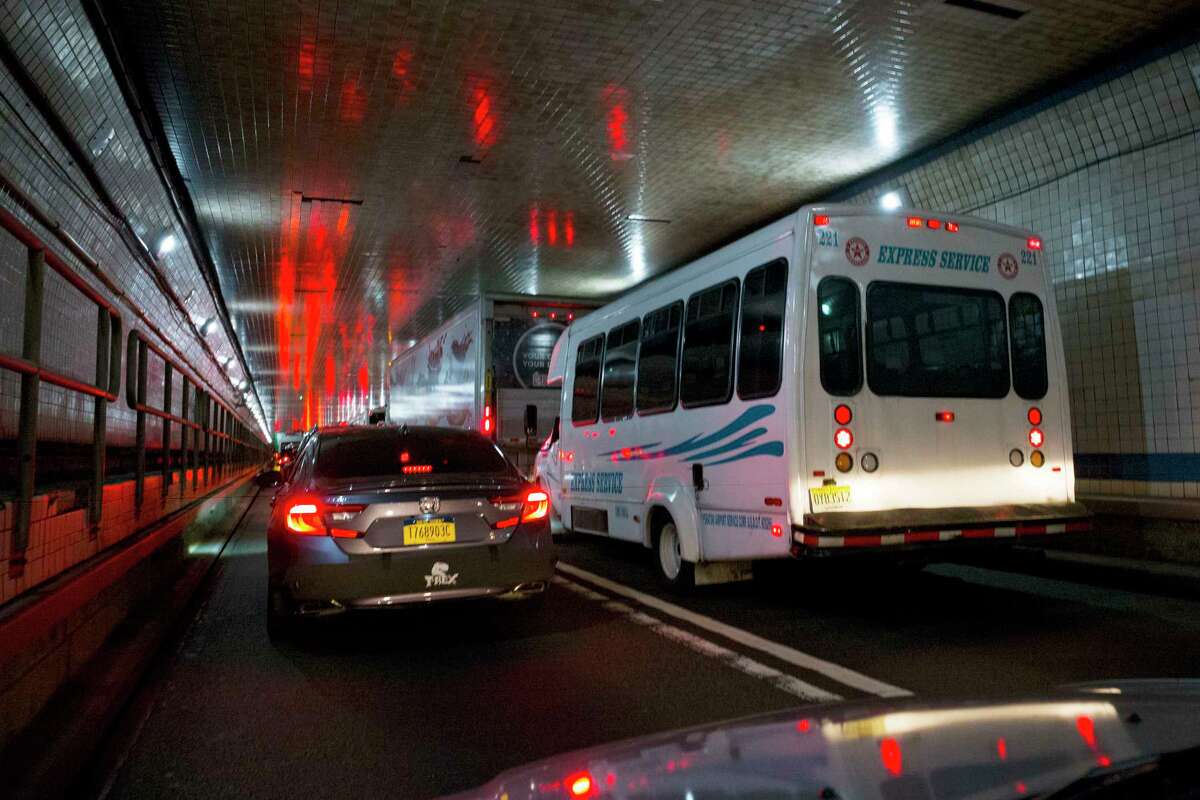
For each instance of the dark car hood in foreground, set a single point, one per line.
(889, 750)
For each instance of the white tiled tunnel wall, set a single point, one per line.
(1110, 178)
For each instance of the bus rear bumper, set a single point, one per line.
(920, 528)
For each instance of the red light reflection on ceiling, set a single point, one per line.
(402, 70)
(307, 63)
(559, 227)
(616, 100)
(353, 105)
(484, 127)
(889, 753)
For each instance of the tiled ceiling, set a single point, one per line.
(362, 169)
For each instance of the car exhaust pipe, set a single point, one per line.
(533, 587)
(320, 608)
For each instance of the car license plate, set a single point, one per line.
(828, 497)
(428, 531)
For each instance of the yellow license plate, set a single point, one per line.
(431, 531)
(829, 497)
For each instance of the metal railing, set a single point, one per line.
(217, 439)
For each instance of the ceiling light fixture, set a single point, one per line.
(165, 243)
(890, 201)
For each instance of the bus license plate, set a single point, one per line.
(827, 497)
(428, 531)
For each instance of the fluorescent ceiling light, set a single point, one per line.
(890, 201)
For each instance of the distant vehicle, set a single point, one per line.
(843, 380)
(485, 369)
(1132, 739)
(379, 516)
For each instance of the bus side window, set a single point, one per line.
(707, 372)
(1027, 327)
(586, 386)
(838, 326)
(760, 349)
(658, 359)
(620, 366)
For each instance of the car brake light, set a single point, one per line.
(916, 222)
(952, 227)
(579, 785)
(305, 518)
(533, 506)
(820, 219)
(1034, 243)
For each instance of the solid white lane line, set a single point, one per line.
(843, 675)
(780, 680)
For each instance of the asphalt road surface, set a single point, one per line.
(415, 704)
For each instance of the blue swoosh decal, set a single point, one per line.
(748, 417)
(766, 449)
(741, 441)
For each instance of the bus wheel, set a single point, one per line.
(673, 571)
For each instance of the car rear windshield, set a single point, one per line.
(936, 341)
(386, 453)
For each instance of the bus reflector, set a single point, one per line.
(1016, 457)
(844, 462)
(842, 415)
(869, 462)
(1036, 458)
(1034, 243)
(1036, 437)
(773, 501)
(1034, 416)
(952, 227)
(933, 224)
(916, 222)
(944, 416)
(843, 438)
(820, 219)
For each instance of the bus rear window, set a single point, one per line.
(1027, 325)
(936, 341)
(388, 452)
(838, 332)
(585, 397)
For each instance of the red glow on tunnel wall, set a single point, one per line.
(353, 105)
(616, 100)
(484, 126)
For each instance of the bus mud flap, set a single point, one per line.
(711, 572)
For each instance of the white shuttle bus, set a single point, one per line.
(843, 380)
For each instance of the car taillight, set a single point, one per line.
(534, 505)
(305, 518)
(308, 518)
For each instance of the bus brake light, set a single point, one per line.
(820, 219)
(944, 416)
(843, 438)
(1034, 243)
(916, 222)
(842, 415)
(1034, 416)
(933, 224)
(952, 227)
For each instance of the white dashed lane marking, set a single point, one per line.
(749, 666)
(789, 655)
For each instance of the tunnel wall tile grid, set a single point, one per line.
(56, 45)
(1110, 178)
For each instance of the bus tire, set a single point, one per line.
(675, 573)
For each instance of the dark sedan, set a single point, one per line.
(372, 517)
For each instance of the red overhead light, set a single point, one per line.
(570, 316)
(553, 315)
(843, 438)
(842, 415)
(952, 227)
(1034, 416)
(916, 222)
(933, 224)
(944, 416)
(404, 457)
(1034, 243)
(820, 219)
(1036, 437)
(534, 314)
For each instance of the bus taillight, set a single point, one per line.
(842, 415)
(1036, 437)
(916, 222)
(944, 416)
(1034, 243)
(820, 219)
(1034, 416)
(952, 227)
(843, 438)
(933, 224)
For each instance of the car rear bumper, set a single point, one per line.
(920, 528)
(315, 576)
